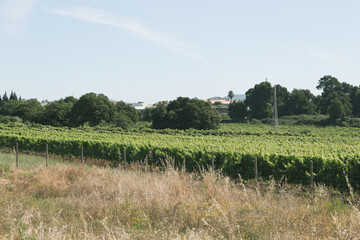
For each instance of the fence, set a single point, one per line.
(307, 171)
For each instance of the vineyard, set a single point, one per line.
(281, 154)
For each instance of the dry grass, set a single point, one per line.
(67, 202)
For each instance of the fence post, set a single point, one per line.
(47, 154)
(82, 155)
(124, 158)
(167, 161)
(212, 162)
(256, 170)
(311, 175)
(17, 154)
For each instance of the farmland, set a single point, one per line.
(287, 151)
(70, 201)
(74, 202)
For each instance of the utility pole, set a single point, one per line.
(275, 111)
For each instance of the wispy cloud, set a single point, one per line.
(102, 17)
(14, 12)
(325, 55)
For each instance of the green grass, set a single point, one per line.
(28, 161)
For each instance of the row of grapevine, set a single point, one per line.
(230, 155)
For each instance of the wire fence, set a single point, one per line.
(338, 174)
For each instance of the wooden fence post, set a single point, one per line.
(311, 176)
(17, 154)
(47, 154)
(124, 158)
(256, 170)
(212, 162)
(82, 155)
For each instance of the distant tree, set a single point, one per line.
(355, 101)
(237, 111)
(259, 100)
(282, 97)
(146, 114)
(129, 111)
(159, 117)
(336, 110)
(185, 113)
(330, 86)
(301, 102)
(29, 110)
(5, 98)
(9, 108)
(71, 100)
(94, 109)
(231, 95)
(57, 113)
(13, 96)
(125, 115)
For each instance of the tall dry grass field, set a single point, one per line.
(68, 202)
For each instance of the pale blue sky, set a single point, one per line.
(151, 50)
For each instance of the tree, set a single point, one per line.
(127, 110)
(336, 110)
(57, 113)
(125, 115)
(147, 114)
(259, 100)
(282, 97)
(13, 96)
(355, 101)
(300, 102)
(159, 117)
(185, 113)
(5, 97)
(231, 95)
(330, 86)
(94, 109)
(29, 110)
(237, 111)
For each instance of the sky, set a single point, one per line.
(154, 50)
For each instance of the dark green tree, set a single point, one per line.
(282, 97)
(127, 110)
(146, 114)
(125, 115)
(336, 110)
(29, 110)
(259, 100)
(13, 96)
(185, 113)
(159, 117)
(57, 113)
(237, 111)
(330, 86)
(355, 101)
(5, 97)
(301, 102)
(231, 95)
(94, 109)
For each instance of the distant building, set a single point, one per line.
(140, 105)
(43, 104)
(219, 99)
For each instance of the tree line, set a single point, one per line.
(338, 100)
(92, 109)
